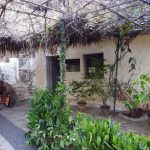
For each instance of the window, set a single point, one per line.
(92, 62)
(73, 65)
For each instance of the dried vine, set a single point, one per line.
(125, 34)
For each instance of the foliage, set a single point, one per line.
(93, 134)
(100, 82)
(105, 135)
(138, 91)
(52, 127)
(49, 119)
(94, 86)
(82, 90)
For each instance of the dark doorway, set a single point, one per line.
(53, 71)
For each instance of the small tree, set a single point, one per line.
(94, 86)
(100, 82)
(82, 90)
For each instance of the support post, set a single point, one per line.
(116, 73)
(62, 51)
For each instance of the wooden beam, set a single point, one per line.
(145, 2)
(27, 13)
(46, 7)
(112, 6)
(119, 14)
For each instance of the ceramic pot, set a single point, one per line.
(105, 110)
(82, 105)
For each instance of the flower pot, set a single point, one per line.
(82, 105)
(105, 110)
(4, 100)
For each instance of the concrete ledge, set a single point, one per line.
(140, 119)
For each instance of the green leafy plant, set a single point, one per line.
(103, 134)
(51, 127)
(93, 134)
(138, 92)
(94, 86)
(49, 119)
(99, 81)
(82, 90)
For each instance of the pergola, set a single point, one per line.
(26, 24)
(25, 19)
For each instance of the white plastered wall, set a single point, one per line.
(140, 47)
(40, 71)
(105, 47)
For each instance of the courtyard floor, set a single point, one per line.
(13, 125)
(11, 137)
(17, 116)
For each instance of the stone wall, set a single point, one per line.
(20, 74)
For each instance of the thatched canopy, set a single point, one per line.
(12, 45)
(34, 23)
(79, 32)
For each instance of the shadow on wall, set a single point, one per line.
(10, 91)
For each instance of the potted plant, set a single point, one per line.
(104, 94)
(101, 87)
(138, 93)
(94, 86)
(82, 92)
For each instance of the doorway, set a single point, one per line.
(53, 71)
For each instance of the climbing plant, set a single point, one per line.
(124, 35)
(62, 51)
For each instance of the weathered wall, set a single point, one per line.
(40, 69)
(107, 47)
(140, 47)
(20, 74)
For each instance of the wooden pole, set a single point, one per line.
(116, 74)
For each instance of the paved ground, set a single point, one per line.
(17, 116)
(142, 128)
(12, 131)
(4, 145)
(12, 138)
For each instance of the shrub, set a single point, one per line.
(95, 86)
(49, 119)
(105, 135)
(82, 90)
(52, 127)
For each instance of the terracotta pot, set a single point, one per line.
(4, 100)
(82, 105)
(105, 110)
